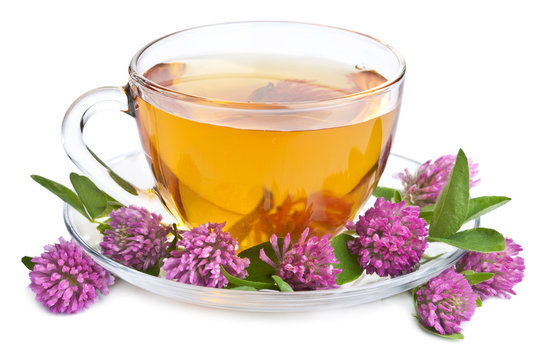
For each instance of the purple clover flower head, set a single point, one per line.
(136, 238)
(423, 187)
(307, 265)
(445, 302)
(507, 267)
(66, 280)
(203, 250)
(391, 238)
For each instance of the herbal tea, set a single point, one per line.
(265, 143)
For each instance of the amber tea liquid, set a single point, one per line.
(257, 144)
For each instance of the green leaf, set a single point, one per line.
(241, 282)
(93, 199)
(452, 205)
(244, 288)
(385, 192)
(105, 212)
(427, 258)
(103, 226)
(116, 178)
(478, 301)
(482, 205)
(123, 183)
(154, 270)
(258, 270)
(397, 197)
(348, 262)
(480, 240)
(282, 285)
(64, 193)
(478, 277)
(112, 204)
(426, 213)
(454, 336)
(174, 242)
(27, 261)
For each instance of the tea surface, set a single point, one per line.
(251, 161)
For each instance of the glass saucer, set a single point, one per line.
(365, 289)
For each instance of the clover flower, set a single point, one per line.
(445, 302)
(391, 238)
(424, 186)
(201, 253)
(506, 266)
(136, 238)
(306, 265)
(66, 280)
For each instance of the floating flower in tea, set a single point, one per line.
(293, 90)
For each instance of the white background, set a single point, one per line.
(472, 82)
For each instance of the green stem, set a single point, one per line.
(427, 258)
(241, 282)
(175, 240)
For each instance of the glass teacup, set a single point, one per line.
(271, 127)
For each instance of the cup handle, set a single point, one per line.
(100, 99)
